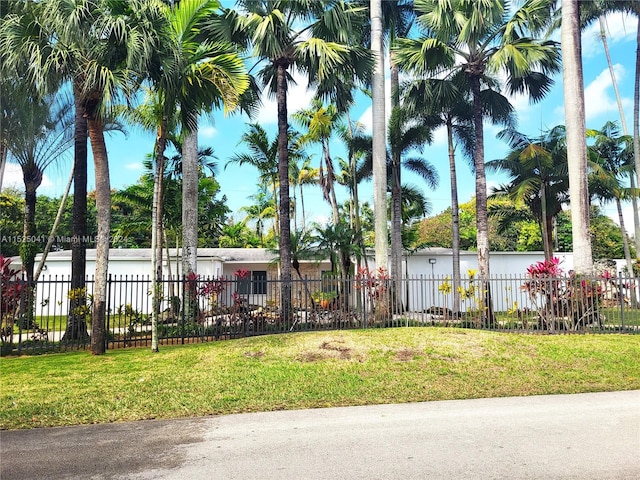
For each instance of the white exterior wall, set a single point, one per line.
(507, 269)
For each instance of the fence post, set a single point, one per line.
(108, 314)
(182, 310)
(621, 297)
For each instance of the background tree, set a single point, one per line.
(538, 176)
(614, 160)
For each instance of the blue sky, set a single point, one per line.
(127, 152)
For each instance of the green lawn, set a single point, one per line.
(307, 370)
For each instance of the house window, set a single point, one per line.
(255, 284)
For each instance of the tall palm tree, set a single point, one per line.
(614, 156)
(205, 71)
(446, 103)
(405, 133)
(321, 123)
(26, 33)
(589, 12)
(538, 171)
(101, 45)
(314, 37)
(573, 81)
(379, 133)
(481, 40)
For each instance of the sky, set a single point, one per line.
(127, 152)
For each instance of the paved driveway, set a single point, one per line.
(586, 436)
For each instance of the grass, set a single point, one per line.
(308, 370)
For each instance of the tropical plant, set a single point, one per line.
(589, 12)
(100, 45)
(406, 133)
(42, 136)
(263, 155)
(260, 211)
(301, 175)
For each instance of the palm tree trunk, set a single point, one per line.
(576, 144)
(76, 329)
(546, 225)
(190, 218)
(3, 162)
(396, 196)
(156, 233)
(103, 208)
(283, 177)
(379, 133)
(482, 221)
(455, 221)
(636, 136)
(28, 248)
(304, 220)
(190, 203)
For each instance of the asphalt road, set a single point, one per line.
(586, 436)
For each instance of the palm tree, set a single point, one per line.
(263, 155)
(237, 235)
(481, 40)
(25, 33)
(445, 103)
(192, 72)
(614, 157)
(538, 171)
(303, 174)
(42, 138)
(321, 123)
(204, 72)
(100, 45)
(262, 209)
(312, 36)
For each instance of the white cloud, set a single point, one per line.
(207, 132)
(618, 28)
(134, 166)
(598, 99)
(13, 178)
